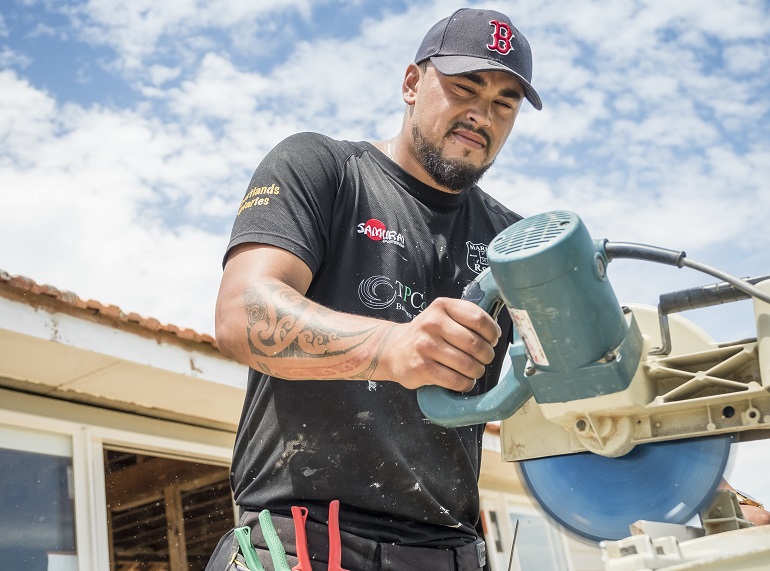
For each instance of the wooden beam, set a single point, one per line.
(109, 534)
(177, 543)
(145, 481)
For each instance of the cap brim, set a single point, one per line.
(457, 65)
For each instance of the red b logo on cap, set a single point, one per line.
(501, 37)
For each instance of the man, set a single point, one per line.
(341, 292)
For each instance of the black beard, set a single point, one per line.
(454, 174)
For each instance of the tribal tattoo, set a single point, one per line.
(294, 338)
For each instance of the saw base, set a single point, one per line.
(740, 550)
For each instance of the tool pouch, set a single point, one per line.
(227, 556)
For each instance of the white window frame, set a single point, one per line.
(556, 537)
(98, 429)
(504, 503)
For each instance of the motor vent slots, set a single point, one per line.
(532, 232)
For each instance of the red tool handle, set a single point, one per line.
(335, 545)
(299, 515)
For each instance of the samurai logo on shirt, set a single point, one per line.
(377, 231)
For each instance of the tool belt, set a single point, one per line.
(360, 554)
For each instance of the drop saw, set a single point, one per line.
(613, 413)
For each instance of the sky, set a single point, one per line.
(129, 132)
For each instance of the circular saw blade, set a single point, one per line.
(598, 498)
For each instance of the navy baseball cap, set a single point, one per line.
(472, 40)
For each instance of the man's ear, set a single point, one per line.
(411, 83)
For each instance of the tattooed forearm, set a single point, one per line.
(294, 338)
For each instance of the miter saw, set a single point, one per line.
(613, 413)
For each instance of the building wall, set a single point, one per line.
(65, 443)
(78, 380)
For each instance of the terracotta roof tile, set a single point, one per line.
(25, 286)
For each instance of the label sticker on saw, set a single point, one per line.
(524, 326)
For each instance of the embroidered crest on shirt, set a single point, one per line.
(477, 257)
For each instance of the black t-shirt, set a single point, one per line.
(379, 243)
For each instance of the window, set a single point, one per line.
(103, 490)
(37, 511)
(538, 545)
(164, 514)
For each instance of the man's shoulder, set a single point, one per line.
(309, 141)
(312, 155)
(495, 207)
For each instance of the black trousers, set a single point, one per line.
(358, 554)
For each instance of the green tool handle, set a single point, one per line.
(274, 544)
(243, 535)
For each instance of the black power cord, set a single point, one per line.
(731, 289)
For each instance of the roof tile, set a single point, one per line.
(26, 286)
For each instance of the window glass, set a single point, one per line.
(164, 513)
(538, 544)
(37, 511)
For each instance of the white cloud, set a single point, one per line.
(160, 74)
(142, 29)
(25, 115)
(10, 58)
(218, 91)
(82, 189)
(41, 30)
(747, 58)
(632, 135)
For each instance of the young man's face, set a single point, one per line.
(460, 123)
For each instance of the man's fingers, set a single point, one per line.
(471, 330)
(460, 338)
(465, 352)
(472, 317)
(456, 348)
(454, 381)
(433, 372)
(449, 344)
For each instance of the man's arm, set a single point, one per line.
(756, 514)
(264, 320)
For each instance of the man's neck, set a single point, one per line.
(398, 150)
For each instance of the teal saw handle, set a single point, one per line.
(453, 409)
